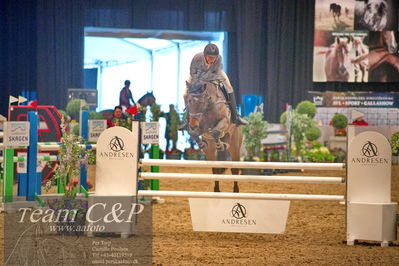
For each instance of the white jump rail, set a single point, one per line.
(47, 158)
(56, 147)
(239, 164)
(245, 178)
(231, 195)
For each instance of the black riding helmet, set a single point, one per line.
(211, 50)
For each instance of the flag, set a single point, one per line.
(12, 100)
(356, 114)
(33, 103)
(21, 100)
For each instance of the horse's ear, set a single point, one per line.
(337, 39)
(187, 84)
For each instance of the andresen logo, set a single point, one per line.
(117, 147)
(370, 153)
(239, 214)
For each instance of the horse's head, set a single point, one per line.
(375, 13)
(199, 101)
(147, 99)
(342, 49)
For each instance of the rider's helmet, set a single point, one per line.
(211, 50)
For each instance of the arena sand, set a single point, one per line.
(315, 233)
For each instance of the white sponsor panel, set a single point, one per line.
(242, 216)
(369, 168)
(116, 162)
(16, 134)
(96, 127)
(150, 132)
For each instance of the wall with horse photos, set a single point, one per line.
(356, 41)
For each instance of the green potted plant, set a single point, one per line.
(253, 134)
(306, 108)
(73, 108)
(312, 133)
(339, 123)
(318, 153)
(395, 148)
(300, 122)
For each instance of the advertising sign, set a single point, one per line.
(16, 134)
(245, 216)
(369, 166)
(150, 133)
(356, 99)
(96, 127)
(116, 163)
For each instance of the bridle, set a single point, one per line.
(202, 96)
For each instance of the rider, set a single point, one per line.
(125, 96)
(207, 65)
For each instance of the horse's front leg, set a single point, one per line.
(218, 131)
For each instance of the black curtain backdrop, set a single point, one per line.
(270, 44)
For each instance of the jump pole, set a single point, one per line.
(154, 154)
(8, 179)
(239, 164)
(245, 178)
(84, 132)
(231, 195)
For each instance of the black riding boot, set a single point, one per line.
(235, 118)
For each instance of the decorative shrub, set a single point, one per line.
(339, 121)
(73, 108)
(312, 133)
(306, 108)
(339, 154)
(395, 144)
(253, 133)
(283, 119)
(93, 115)
(318, 153)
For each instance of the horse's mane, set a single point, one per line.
(197, 87)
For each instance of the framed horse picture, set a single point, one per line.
(356, 41)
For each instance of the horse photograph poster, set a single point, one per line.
(356, 41)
